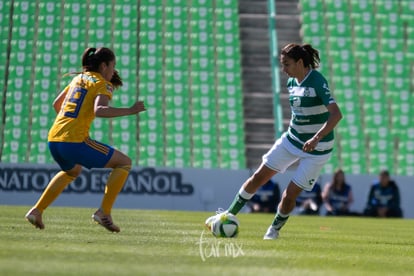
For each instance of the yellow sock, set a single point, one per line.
(56, 185)
(114, 185)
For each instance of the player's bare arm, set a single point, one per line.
(57, 103)
(335, 116)
(102, 108)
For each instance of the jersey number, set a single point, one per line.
(75, 101)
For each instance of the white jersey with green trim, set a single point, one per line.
(308, 101)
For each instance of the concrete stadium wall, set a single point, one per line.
(163, 188)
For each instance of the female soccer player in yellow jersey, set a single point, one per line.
(86, 97)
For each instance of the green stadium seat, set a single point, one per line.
(152, 150)
(387, 6)
(148, 136)
(173, 37)
(176, 64)
(201, 77)
(13, 152)
(311, 5)
(337, 43)
(364, 44)
(400, 122)
(202, 64)
(343, 68)
(177, 162)
(317, 42)
(205, 158)
(343, 95)
(201, 25)
(201, 140)
(397, 96)
(352, 158)
(351, 141)
(334, 162)
(123, 137)
(405, 165)
(203, 127)
(395, 31)
(40, 158)
(370, 69)
(369, 83)
(39, 134)
(232, 158)
(228, 15)
(407, 7)
(340, 55)
(397, 70)
(176, 3)
(360, 6)
(390, 45)
(313, 29)
(351, 126)
(379, 162)
(227, 4)
(336, 5)
(178, 139)
(312, 16)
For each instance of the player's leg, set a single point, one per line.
(285, 207)
(56, 185)
(276, 160)
(305, 178)
(121, 165)
(100, 155)
(249, 188)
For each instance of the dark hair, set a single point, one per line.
(335, 181)
(116, 80)
(385, 173)
(92, 58)
(306, 52)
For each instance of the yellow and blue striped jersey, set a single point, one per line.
(77, 111)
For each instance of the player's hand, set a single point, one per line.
(310, 145)
(138, 107)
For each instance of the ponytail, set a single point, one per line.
(92, 58)
(116, 80)
(88, 59)
(306, 52)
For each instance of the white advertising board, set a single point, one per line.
(164, 188)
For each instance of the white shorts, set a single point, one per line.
(284, 154)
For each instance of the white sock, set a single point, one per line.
(245, 194)
(281, 214)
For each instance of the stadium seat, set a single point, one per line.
(379, 47)
(311, 5)
(171, 52)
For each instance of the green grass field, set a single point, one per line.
(168, 243)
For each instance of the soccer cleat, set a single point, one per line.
(271, 233)
(105, 221)
(209, 221)
(34, 216)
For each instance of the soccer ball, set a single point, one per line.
(226, 225)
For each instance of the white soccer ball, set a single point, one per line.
(225, 225)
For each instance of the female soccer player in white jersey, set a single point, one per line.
(308, 141)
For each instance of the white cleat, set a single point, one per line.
(271, 233)
(209, 221)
